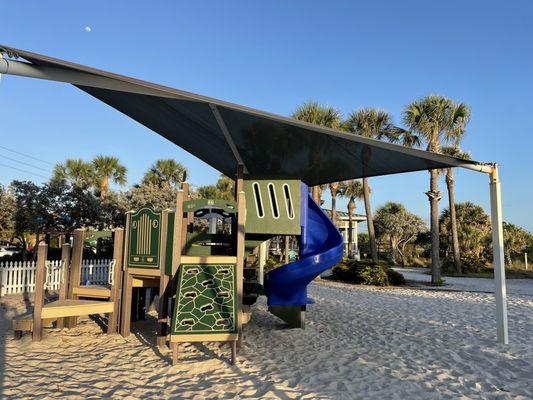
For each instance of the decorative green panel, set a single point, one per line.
(144, 239)
(206, 299)
(196, 204)
(170, 243)
(273, 206)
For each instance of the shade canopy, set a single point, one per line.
(225, 135)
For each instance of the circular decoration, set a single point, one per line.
(155, 223)
(134, 224)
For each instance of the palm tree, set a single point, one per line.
(436, 119)
(166, 172)
(75, 171)
(352, 190)
(454, 151)
(108, 169)
(334, 191)
(318, 114)
(377, 124)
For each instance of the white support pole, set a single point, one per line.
(498, 256)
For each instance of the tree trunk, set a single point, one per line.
(351, 206)
(334, 208)
(316, 194)
(104, 186)
(434, 196)
(370, 221)
(453, 219)
(392, 252)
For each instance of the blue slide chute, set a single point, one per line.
(321, 247)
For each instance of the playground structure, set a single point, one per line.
(199, 275)
(254, 147)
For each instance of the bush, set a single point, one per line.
(367, 273)
(470, 264)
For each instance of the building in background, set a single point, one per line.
(343, 224)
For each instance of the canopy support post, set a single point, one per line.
(498, 256)
(229, 139)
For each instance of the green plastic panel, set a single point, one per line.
(145, 239)
(206, 299)
(170, 242)
(196, 204)
(273, 207)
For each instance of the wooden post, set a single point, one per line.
(233, 352)
(75, 270)
(63, 288)
(239, 181)
(174, 346)
(185, 221)
(241, 219)
(125, 314)
(177, 245)
(42, 254)
(118, 247)
(525, 259)
(163, 284)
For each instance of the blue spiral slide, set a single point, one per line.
(321, 247)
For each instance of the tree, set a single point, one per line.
(474, 235)
(165, 172)
(75, 171)
(224, 189)
(7, 214)
(318, 114)
(376, 124)
(352, 190)
(436, 119)
(160, 197)
(516, 241)
(106, 169)
(27, 211)
(334, 191)
(454, 151)
(400, 226)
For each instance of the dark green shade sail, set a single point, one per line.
(225, 135)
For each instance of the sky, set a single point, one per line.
(275, 55)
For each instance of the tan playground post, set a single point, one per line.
(40, 278)
(127, 283)
(163, 312)
(63, 288)
(177, 248)
(75, 270)
(116, 287)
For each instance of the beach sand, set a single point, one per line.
(359, 342)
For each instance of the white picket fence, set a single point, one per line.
(19, 276)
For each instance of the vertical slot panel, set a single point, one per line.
(258, 200)
(288, 201)
(273, 200)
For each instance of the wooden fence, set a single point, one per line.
(19, 276)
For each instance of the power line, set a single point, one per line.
(26, 155)
(23, 170)
(25, 163)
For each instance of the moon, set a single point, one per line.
(88, 29)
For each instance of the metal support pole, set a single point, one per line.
(498, 256)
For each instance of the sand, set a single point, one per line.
(359, 343)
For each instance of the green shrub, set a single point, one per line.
(367, 273)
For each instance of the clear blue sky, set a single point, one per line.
(274, 55)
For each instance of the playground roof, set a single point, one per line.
(225, 135)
